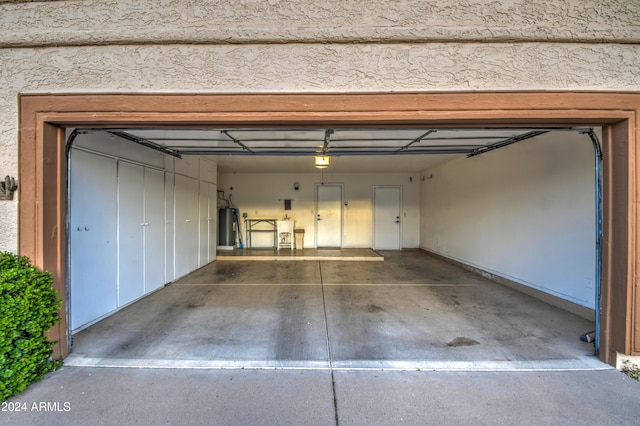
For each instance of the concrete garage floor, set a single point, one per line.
(412, 311)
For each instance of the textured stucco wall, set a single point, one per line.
(285, 21)
(307, 46)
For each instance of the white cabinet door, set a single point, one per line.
(213, 221)
(203, 232)
(186, 236)
(93, 237)
(169, 227)
(131, 224)
(154, 229)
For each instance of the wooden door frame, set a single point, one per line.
(42, 163)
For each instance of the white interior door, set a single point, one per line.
(154, 229)
(329, 215)
(93, 276)
(131, 224)
(387, 217)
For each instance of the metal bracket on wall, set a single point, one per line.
(8, 188)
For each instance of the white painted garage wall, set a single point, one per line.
(525, 212)
(260, 194)
(139, 219)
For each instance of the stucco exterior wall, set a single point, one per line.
(306, 46)
(286, 21)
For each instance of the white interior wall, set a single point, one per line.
(525, 212)
(260, 195)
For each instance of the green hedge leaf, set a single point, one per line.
(29, 306)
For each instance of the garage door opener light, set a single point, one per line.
(322, 161)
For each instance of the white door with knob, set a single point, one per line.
(387, 217)
(328, 215)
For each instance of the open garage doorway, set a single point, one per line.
(51, 142)
(524, 212)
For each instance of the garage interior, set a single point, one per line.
(468, 207)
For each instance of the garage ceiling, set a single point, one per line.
(267, 150)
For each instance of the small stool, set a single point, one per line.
(299, 233)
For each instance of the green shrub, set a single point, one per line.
(29, 307)
(630, 369)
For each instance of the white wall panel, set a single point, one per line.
(525, 212)
(93, 237)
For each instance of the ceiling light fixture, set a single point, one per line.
(321, 161)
